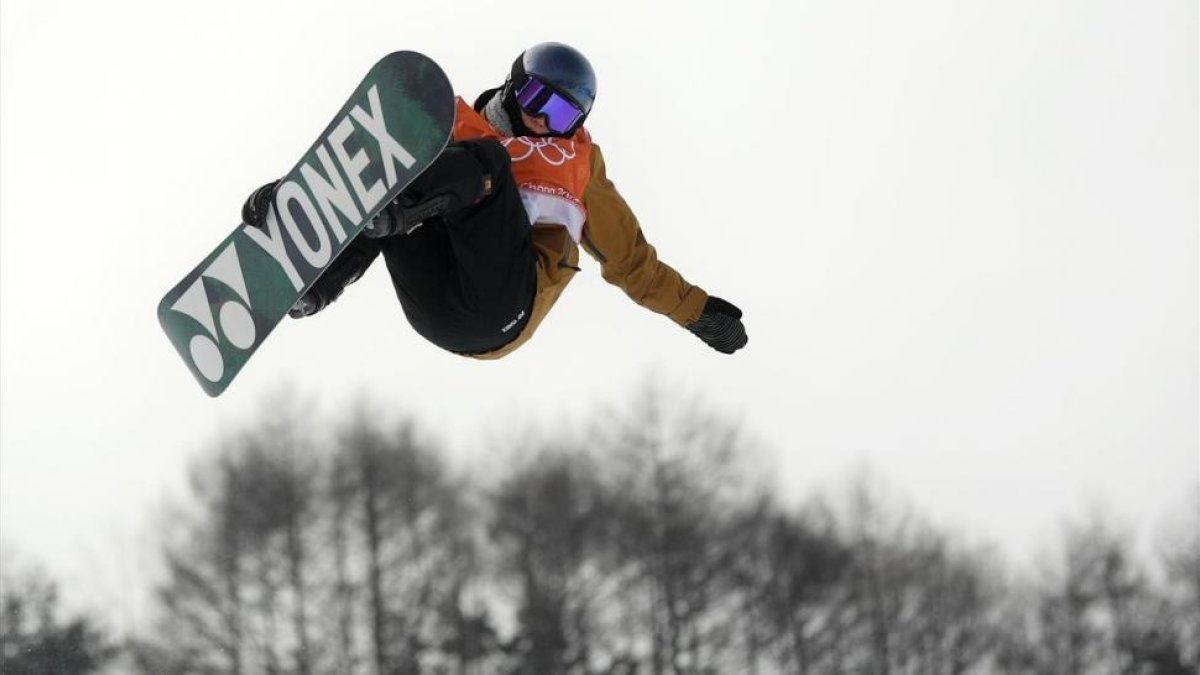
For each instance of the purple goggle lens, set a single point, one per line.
(539, 100)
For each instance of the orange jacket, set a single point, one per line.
(564, 184)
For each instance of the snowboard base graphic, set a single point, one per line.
(393, 126)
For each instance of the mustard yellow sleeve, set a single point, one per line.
(613, 236)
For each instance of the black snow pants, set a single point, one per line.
(466, 279)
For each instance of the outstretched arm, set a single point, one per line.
(613, 236)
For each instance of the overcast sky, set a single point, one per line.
(964, 236)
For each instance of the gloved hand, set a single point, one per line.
(720, 326)
(455, 181)
(403, 215)
(254, 211)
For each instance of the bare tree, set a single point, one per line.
(916, 602)
(294, 560)
(202, 601)
(35, 639)
(789, 569)
(681, 474)
(1098, 613)
(407, 521)
(551, 524)
(240, 569)
(1181, 558)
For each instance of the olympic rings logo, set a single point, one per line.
(552, 152)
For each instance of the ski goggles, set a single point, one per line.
(538, 99)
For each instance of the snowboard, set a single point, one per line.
(392, 127)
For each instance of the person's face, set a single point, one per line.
(535, 124)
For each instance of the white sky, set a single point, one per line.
(964, 236)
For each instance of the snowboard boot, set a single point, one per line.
(346, 269)
(254, 210)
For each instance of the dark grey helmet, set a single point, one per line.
(561, 67)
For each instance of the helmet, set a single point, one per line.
(553, 80)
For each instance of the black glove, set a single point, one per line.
(403, 216)
(254, 211)
(457, 180)
(720, 326)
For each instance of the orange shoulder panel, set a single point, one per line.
(469, 124)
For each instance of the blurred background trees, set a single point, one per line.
(652, 543)
(35, 636)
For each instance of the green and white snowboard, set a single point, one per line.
(393, 126)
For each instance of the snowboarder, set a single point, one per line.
(471, 274)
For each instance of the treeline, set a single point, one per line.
(651, 543)
(37, 637)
